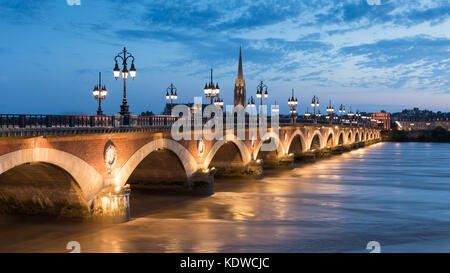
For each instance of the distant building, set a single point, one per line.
(382, 118)
(239, 86)
(413, 124)
(416, 113)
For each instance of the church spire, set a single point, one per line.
(239, 86)
(240, 72)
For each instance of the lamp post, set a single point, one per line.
(275, 108)
(315, 103)
(251, 104)
(341, 110)
(357, 116)
(330, 111)
(292, 102)
(218, 102)
(210, 90)
(350, 115)
(99, 93)
(261, 91)
(307, 113)
(364, 120)
(124, 55)
(172, 95)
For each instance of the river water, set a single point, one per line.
(394, 193)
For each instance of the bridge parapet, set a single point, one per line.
(21, 125)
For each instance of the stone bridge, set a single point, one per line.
(72, 174)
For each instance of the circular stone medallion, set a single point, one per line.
(110, 155)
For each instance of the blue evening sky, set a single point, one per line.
(370, 54)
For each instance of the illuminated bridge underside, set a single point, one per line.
(66, 174)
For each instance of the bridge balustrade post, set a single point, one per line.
(47, 121)
(21, 121)
(116, 120)
(71, 121)
(92, 120)
(133, 120)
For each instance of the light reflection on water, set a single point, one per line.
(396, 194)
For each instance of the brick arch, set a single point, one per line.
(349, 137)
(340, 134)
(185, 157)
(315, 133)
(88, 179)
(268, 135)
(357, 133)
(325, 139)
(302, 137)
(245, 154)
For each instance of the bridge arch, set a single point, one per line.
(357, 137)
(340, 139)
(315, 141)
(268, 136)
(50, 181)
(86, 177)
(240, 145)
(349, 137)
(185, 158)
(329, 140)
(297, 135)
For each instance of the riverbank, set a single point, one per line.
(438, 134)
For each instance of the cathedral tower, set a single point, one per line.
(239, 86)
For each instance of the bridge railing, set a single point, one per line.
(20, 124)
(11, 121)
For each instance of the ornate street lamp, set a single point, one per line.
(330, 112)
(293, 102)
(341, 109)
(124, 55)
(99, 93)
(307, 113)
(276, 108)
(261, 91)
(315, 103)
(172, 95)
(251, 104)
(210, 90)
(358, 116)
(350, 113)
(330, 109)
(218, 102)
(364, 119)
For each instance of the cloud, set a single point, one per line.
(389, 53)
(420, 61)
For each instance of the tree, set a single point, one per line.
(147, 114)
